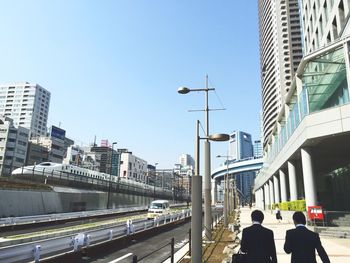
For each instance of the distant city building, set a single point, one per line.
(91, 160)
(54, 142)
(27, 104)
(74, 155)
(186, 160)
(13, 146)
(257, 149)
(280, 55)
(240, 145)
(132, 167)
(240, 149)
(36, 154)
(185, 174)
(108, 159)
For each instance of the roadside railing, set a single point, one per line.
(71, 243)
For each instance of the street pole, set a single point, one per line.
(207, 181)
(110, 177)
(196, 196)
(225, 201)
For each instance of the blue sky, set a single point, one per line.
(113, 68)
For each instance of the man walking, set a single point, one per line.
(302, 242)
(258, 242)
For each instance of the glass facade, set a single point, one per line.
(325, 81)
(324, 85)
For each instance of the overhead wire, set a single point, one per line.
(217, 96)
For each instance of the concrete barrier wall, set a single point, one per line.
(26, 203)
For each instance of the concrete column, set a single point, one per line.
(261, 198)
(257, 198)
(292, 182)
(283, 186)
(276, 186)
(309, 178)
(267, 195)
(215, 191)
(272, 196)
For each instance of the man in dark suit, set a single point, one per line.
(302, 242)
(258, 242)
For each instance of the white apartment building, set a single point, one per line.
(186, 160)
(132, 167)
(13, 146)
(280, 54)
(306, 156)
(27, 104)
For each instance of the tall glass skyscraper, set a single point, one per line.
(240, 146)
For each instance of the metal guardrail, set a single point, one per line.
(22, 220)
(34, 251)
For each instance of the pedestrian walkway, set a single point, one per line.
(337, 249)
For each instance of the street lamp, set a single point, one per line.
(226, 187)
(110, 176)
(154, 181)
(196, 196)
(207, 181)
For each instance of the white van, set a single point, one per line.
(158, 208)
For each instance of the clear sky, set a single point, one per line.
(113, 68)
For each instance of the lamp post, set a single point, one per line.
(154, 181)
(207, 181)
(196, 196)
(226, 188)
(110, 176)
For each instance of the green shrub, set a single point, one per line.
(298, 205)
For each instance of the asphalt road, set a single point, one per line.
(146, 245)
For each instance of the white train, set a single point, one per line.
(78, 174)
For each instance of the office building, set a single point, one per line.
(13, 146)
(240, 146)
(27, 104)
(36, 154)
(280, 54)
(55, 143)
(257, 149)
(105, 158)
(186, 160)
(306, 156)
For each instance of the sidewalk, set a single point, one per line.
(337, 249)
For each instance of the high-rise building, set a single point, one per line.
(240, 146)
(257, 149)
(306, 157)
(186, 160)
(280, 54)
(27, 104)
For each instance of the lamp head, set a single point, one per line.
(219, 137)
(183, 90)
